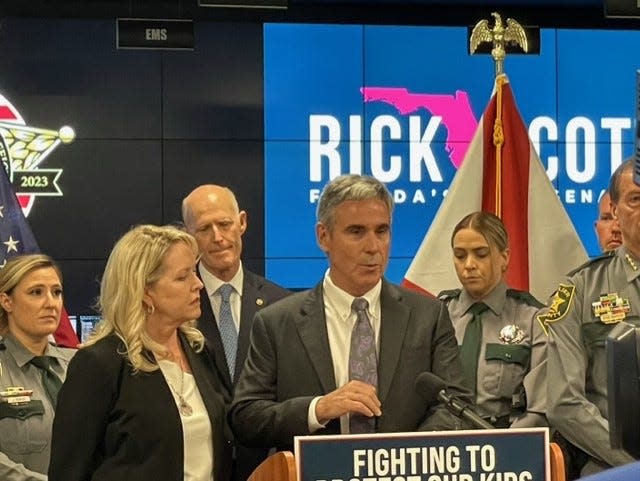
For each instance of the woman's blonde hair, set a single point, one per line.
(17, 269)
(134, 264)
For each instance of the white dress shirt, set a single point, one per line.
(212, 284)
(340, 322)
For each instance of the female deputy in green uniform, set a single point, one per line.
(502, 346)
(31, 369)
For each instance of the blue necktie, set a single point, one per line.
(363, 361)
(228, 331)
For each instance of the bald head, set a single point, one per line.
(203, 197)
(211, 214)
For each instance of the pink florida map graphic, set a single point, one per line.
(454, 110)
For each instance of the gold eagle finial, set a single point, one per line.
(498, 36)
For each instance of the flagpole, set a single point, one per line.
(499, 36)
(543, 248)
(498, 142)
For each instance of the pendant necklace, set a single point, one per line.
(184, 407)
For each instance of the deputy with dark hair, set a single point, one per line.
(31, 369)
(344, 356)
(584, 309)
(502, 345)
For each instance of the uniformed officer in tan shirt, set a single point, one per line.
(584, 309)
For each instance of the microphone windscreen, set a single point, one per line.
(428, 385)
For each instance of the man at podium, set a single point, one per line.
(344, 356)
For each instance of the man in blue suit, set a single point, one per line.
(211, 214)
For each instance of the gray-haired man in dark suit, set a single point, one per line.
(344, 356)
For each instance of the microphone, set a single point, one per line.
(433, 388)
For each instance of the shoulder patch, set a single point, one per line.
(449, 294)
(607, 255)
(559, 307)
(524, 296)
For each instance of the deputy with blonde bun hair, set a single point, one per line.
(31, 369)
(142, 395)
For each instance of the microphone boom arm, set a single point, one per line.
(463, 410)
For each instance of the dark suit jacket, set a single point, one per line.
(257, 292)
(289, 363)
(113, 424)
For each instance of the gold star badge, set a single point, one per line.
(559, 306)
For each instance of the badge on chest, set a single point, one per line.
(16, 395)
(611, 308)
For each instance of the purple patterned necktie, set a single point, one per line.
(363, 362)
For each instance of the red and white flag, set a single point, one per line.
(502, 174)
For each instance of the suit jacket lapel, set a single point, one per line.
(312, 328)
(251, 292)
(205, 382)
(393, 326)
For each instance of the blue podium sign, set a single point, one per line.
(491, 455)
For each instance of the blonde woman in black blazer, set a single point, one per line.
(142, 401)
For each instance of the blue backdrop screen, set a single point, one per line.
(328, 111)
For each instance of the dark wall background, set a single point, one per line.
(545, 13)
(150, 126)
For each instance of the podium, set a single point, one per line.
(281, 466)
(556, 463)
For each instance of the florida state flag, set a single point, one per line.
(502, 174)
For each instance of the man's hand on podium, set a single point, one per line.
(353, 397)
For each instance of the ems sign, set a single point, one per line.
(135, 33)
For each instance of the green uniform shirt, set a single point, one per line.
(25, 429)
(576, 362)
(507, 363)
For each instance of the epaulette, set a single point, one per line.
(449, 294)
(601, 257)
(524, 296)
